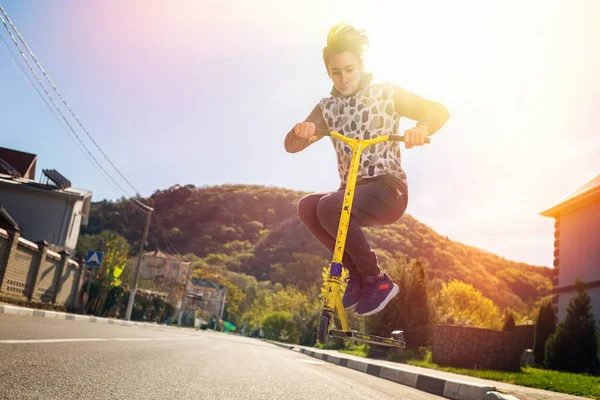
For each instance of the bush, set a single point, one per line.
(278, 325)
(574, 345)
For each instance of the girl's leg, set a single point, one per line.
(380, 202)
(307, 212)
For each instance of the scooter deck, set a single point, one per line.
(366, 338)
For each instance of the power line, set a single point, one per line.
(64, 101)
(24, 74)
(22, 71)
(56, 106)
(80, 142)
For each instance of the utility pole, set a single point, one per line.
(224, 300)
(139, 259)
(183, 300)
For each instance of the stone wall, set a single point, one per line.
(472, 347)
(30, 272)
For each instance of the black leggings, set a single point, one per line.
(378, 201)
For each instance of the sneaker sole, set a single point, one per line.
(393, 293)
(352, 307)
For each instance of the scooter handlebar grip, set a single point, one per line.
(398, 138)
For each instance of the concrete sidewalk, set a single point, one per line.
(446, 384)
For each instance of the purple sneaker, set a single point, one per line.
(353, 291)
(377, 293)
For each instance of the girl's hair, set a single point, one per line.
(343, 37)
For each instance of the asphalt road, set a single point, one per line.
(43, 358)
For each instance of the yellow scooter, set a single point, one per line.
(332, 305)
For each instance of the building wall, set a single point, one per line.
(579, 253)
(565, 298)
(41, 215)
(74, 227)
(212, 301)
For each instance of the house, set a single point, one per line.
(207, 297)
(576, 246)
(160, 266)
(50, 209)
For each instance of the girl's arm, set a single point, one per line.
(295, 143)
(425, 112)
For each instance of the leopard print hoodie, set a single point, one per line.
(374, 110)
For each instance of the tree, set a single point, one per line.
(509, 322)
(394, 315)
(574, 345)
(278, 325)
(409, 310)
(418, 330)
(465, 305)
(114, 261)
(544, 327)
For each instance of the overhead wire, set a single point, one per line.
(138, 205)
(31, 84)
(65, 102)
(79, 141)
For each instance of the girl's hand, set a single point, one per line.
(415, 136)
(306, 130)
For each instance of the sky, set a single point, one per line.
(204, 92)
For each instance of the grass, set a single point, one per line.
(356, 350)
(556, 381)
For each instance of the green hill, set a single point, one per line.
(254, 230)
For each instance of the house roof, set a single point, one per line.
(35, 185)
(584, 195)
(19, 160)
(160, 254)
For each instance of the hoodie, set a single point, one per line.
(374, 110)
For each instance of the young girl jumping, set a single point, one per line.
(359, 109)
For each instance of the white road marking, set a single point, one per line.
(93, 340)
(54, 340)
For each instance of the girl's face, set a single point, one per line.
(344, 69)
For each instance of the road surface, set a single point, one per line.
(45, 358)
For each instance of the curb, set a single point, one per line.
(455, 390)
(450, 389)
(6, 309)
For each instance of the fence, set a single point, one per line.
(30, 272)
(472, 347)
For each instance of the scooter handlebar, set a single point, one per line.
(393, 138)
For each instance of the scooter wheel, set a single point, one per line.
(323, 329)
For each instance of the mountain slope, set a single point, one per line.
(254, 230)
